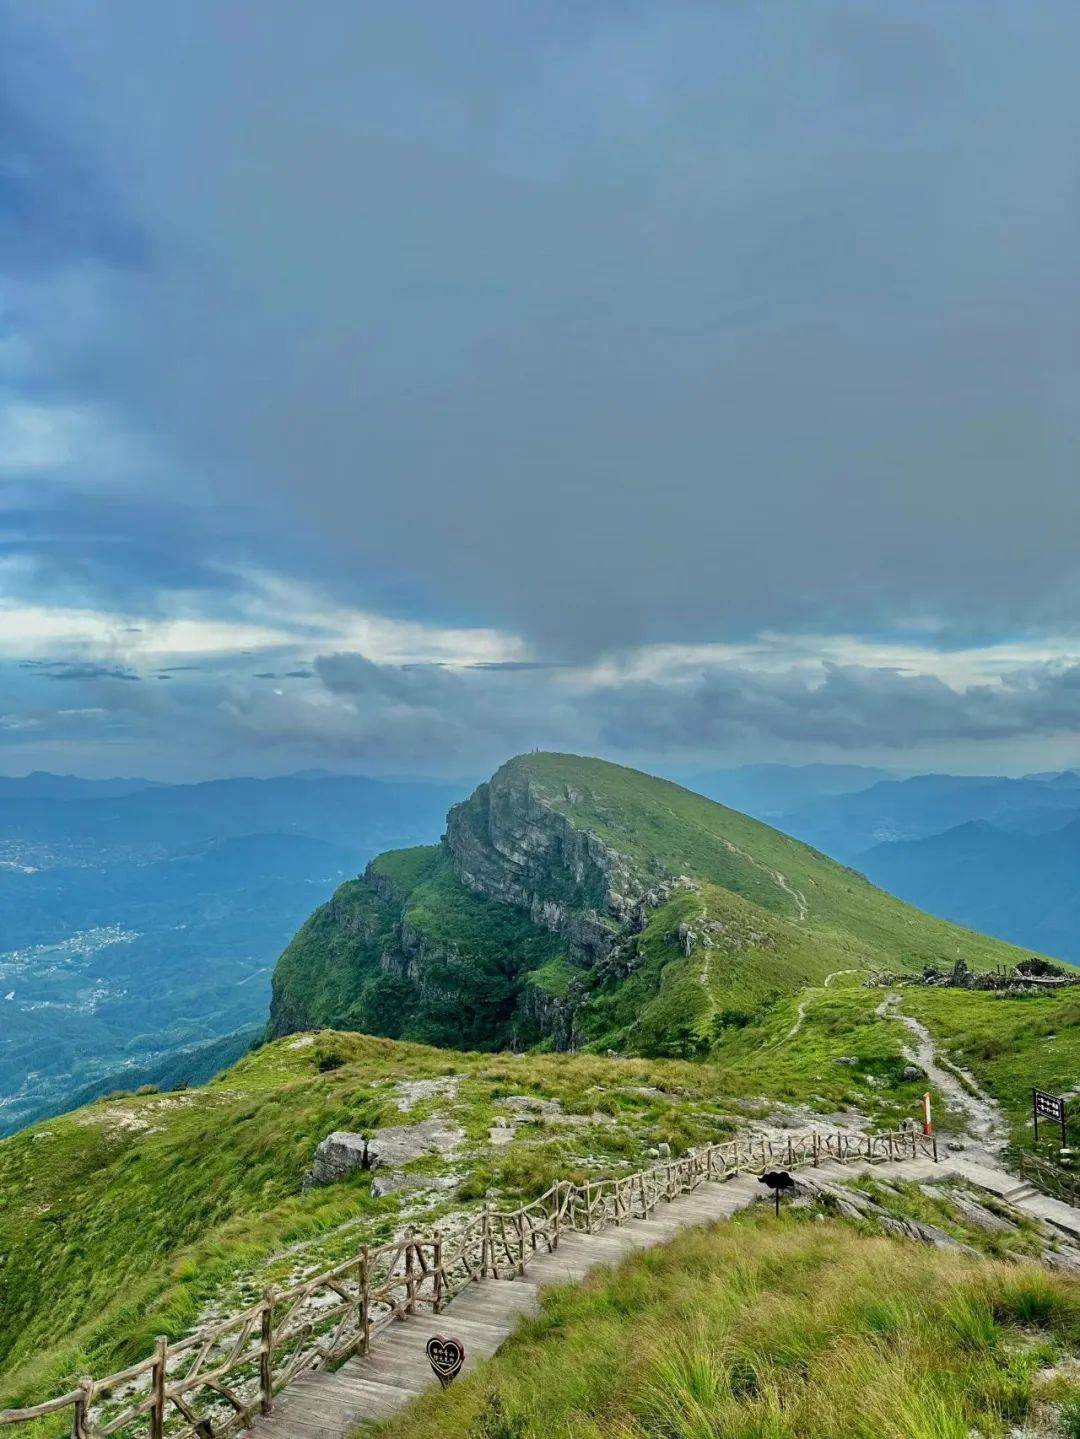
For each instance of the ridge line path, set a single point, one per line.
(800, 1013)
(802, 908)
(374, 1386)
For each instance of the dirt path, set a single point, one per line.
(983, 1114)
(810, 993)
(802, 909)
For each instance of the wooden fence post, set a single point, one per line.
(365, 1299)
(80, 1419)
(815, 1149)
(485, 1243)
(521, 1242)
(410, 1277)
(436, 1250)
(266, 1353)
(558, 1206)
(157, 1387)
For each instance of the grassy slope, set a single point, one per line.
(477, 951)
(140, 1209)
(1008, 1043)
(760, 1330)
(783, 914)
(655, 820)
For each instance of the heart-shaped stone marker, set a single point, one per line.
(446, 1357)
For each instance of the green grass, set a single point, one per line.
(142, 1209)
(761, 1329)
(1009, 1043)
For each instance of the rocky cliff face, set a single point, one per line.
(511, 846)
(500, 935)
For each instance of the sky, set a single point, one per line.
(393, 388)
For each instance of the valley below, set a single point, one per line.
(140, 930)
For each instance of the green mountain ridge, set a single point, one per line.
(576, 903)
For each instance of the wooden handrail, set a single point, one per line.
(267, 1345)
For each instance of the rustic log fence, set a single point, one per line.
(1050, 1178)
(213, 1383)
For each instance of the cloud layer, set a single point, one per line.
(539, 339)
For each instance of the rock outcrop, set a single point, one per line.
(510, 845)
(342, 1152)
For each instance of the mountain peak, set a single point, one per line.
(579, 901)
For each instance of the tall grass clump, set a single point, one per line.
(759, 1330)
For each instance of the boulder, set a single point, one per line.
(342, 1152)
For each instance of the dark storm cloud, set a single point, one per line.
(600, 322)
(846, 706)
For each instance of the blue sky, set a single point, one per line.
(394, 388)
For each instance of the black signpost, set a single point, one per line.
(1048, 1106)
(777, 1180)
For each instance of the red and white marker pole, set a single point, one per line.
(927, 1125)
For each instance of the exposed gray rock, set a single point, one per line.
(395, 1181)
(530, 1104)
(926, 1233)
(912, 1072)
(976, 1214)
(339, 1154)
(401, 1144)
(511, 846)
(342, 1152)
(412, 1091)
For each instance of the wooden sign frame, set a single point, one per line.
(1051, 1107)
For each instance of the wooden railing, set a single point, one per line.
(213, 1383)
(1049, 1177)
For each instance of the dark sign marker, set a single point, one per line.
(777, 1180)
(1048, 1106)
(446, 1357)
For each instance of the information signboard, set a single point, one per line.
(1048, 1106)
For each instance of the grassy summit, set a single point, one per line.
(576, 902)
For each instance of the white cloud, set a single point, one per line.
(265, 613)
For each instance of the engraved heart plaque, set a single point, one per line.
(446, 1357)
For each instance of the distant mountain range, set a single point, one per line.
(1020, 887)
(42, 785)
(847, 825)
(140, 920)
(771, 791)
